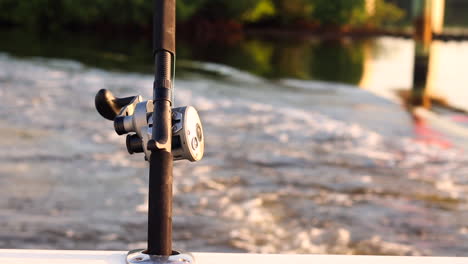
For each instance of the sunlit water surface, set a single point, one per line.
(291, 167)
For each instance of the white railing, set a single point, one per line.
(118, 257)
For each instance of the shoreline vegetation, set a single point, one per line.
(217, 20)
(203, 17)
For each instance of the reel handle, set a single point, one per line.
(110, 106)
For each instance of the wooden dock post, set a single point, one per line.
(422, 14)
(438, 16)
(428, 19)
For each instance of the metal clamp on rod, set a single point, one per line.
(162, 90)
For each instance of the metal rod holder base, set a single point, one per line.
(139, 257)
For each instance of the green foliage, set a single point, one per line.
(239, 10)
(186, 9)
(339, 12)
(59, 13)
(63, 13)
(290, 10)
(386, 13)
(264, 8)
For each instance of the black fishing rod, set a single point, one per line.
(162, 133)
(160, 172)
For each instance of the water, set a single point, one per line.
(383, 65)
(291, 165)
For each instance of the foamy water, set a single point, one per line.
(290, 167)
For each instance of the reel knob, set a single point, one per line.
(110, 106)
(134, 144)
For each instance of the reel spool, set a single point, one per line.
(188, 141)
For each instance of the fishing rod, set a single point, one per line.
(162, 133)
(160, 175)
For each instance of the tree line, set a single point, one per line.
(64, 14)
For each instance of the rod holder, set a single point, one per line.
(140, 257)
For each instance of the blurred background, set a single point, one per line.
(335, 127)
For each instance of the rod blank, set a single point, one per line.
(161, 162)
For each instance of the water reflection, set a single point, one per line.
(419, 96)
(426, 72)
(108, 52)
(328, 60)
(425, 15)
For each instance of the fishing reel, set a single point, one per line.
(134, 117)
